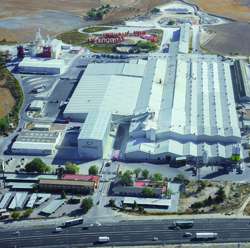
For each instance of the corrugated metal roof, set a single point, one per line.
(18, 200)
(95, 125)
(52, 206)
(113, 87)
(147, 201)
(39, 62)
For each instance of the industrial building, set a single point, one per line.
(36, 142)
(147, 202)
(104, 92)
(41, 66)
(71, 186)
(185, 37)
(178, 106)
(241, 80)
(191, 112)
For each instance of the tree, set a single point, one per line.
(126, 178)
(180, 178)
(87, 204)
(72, 168)
(15, 215)
(112, 203)
(146, 45)
(137, 172)
(157, 177)
(37, 165)
(145, 174)
(27, 213)
(141, 209)
(220, 195)
(4, 125)
(63, 195)
(148, 192)
(93, 170)
(134, 206)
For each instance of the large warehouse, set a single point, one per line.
(192, 112)
(105, 91)
(181, 105)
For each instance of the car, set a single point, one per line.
(17, 233)
(58, 229)
(187, 234)
(155, 238)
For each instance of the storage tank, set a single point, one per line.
(20, 52)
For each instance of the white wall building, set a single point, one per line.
(41, 66)
(36, 142)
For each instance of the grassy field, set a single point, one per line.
(73, 37)
(95, 29)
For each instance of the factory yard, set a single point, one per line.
(224, 39)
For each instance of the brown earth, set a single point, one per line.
(235, 9)
(13, 8)
(7, 102)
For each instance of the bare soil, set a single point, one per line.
(235, 9)
(7, 102)
(37, 13)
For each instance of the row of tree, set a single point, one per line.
(37, 165)
(126, 178)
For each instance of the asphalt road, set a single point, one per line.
(128, 233)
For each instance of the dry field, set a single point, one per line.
(56, 16)
(7, 101)
(235, 9)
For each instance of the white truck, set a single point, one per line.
(103, 239)
(206, 235)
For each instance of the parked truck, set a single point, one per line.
(206, 235)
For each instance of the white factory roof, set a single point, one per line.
(18, 200)
(52, 206)
(113, 86)
(191, 108)
(147, 201)
(40, 62)
(36, 140)
(95, 125)
(184, 38)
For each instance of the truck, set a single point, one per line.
(103, 239)
(183, 224)
(73, 222)
(206, 235)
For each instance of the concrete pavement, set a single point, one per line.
(128, 233)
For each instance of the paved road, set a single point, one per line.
(128, 233)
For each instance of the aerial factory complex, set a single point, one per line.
(125, 130)
(179, 105)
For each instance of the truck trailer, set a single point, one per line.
(103, 239)
(206, 235)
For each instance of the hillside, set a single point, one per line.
(55, 16)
